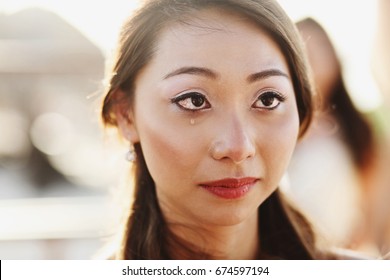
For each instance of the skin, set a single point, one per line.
(231, 135)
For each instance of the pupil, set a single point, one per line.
(267, 100)
(197, 101)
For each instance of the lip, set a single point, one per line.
(230, 188)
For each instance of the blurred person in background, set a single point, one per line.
(381, 70)
(333, 170)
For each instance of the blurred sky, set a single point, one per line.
(351, 25)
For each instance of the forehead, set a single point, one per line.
(210, 34)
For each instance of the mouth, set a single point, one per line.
(230, 188)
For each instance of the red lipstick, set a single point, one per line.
(230, 188)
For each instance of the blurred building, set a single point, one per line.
(51, 148)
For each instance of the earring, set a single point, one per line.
(131, 155)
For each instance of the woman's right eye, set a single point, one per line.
(192, 101)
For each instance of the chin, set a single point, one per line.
(230, 217)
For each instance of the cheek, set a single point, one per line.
(169, 152)
(278, 148)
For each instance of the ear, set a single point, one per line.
(125, 117)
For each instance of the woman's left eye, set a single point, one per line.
(192, 101)
(268, 100)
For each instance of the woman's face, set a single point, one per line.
(216, 116)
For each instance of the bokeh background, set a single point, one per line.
(57, 164)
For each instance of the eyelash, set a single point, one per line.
(187, 97)
(269, 94)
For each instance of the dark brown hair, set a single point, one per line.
(284, 233)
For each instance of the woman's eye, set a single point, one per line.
(192, 101)
(269, 100)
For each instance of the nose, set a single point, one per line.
(233, 141)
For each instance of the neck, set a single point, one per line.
(239, 241)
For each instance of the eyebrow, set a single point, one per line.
(265, 74)
(193, 71)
